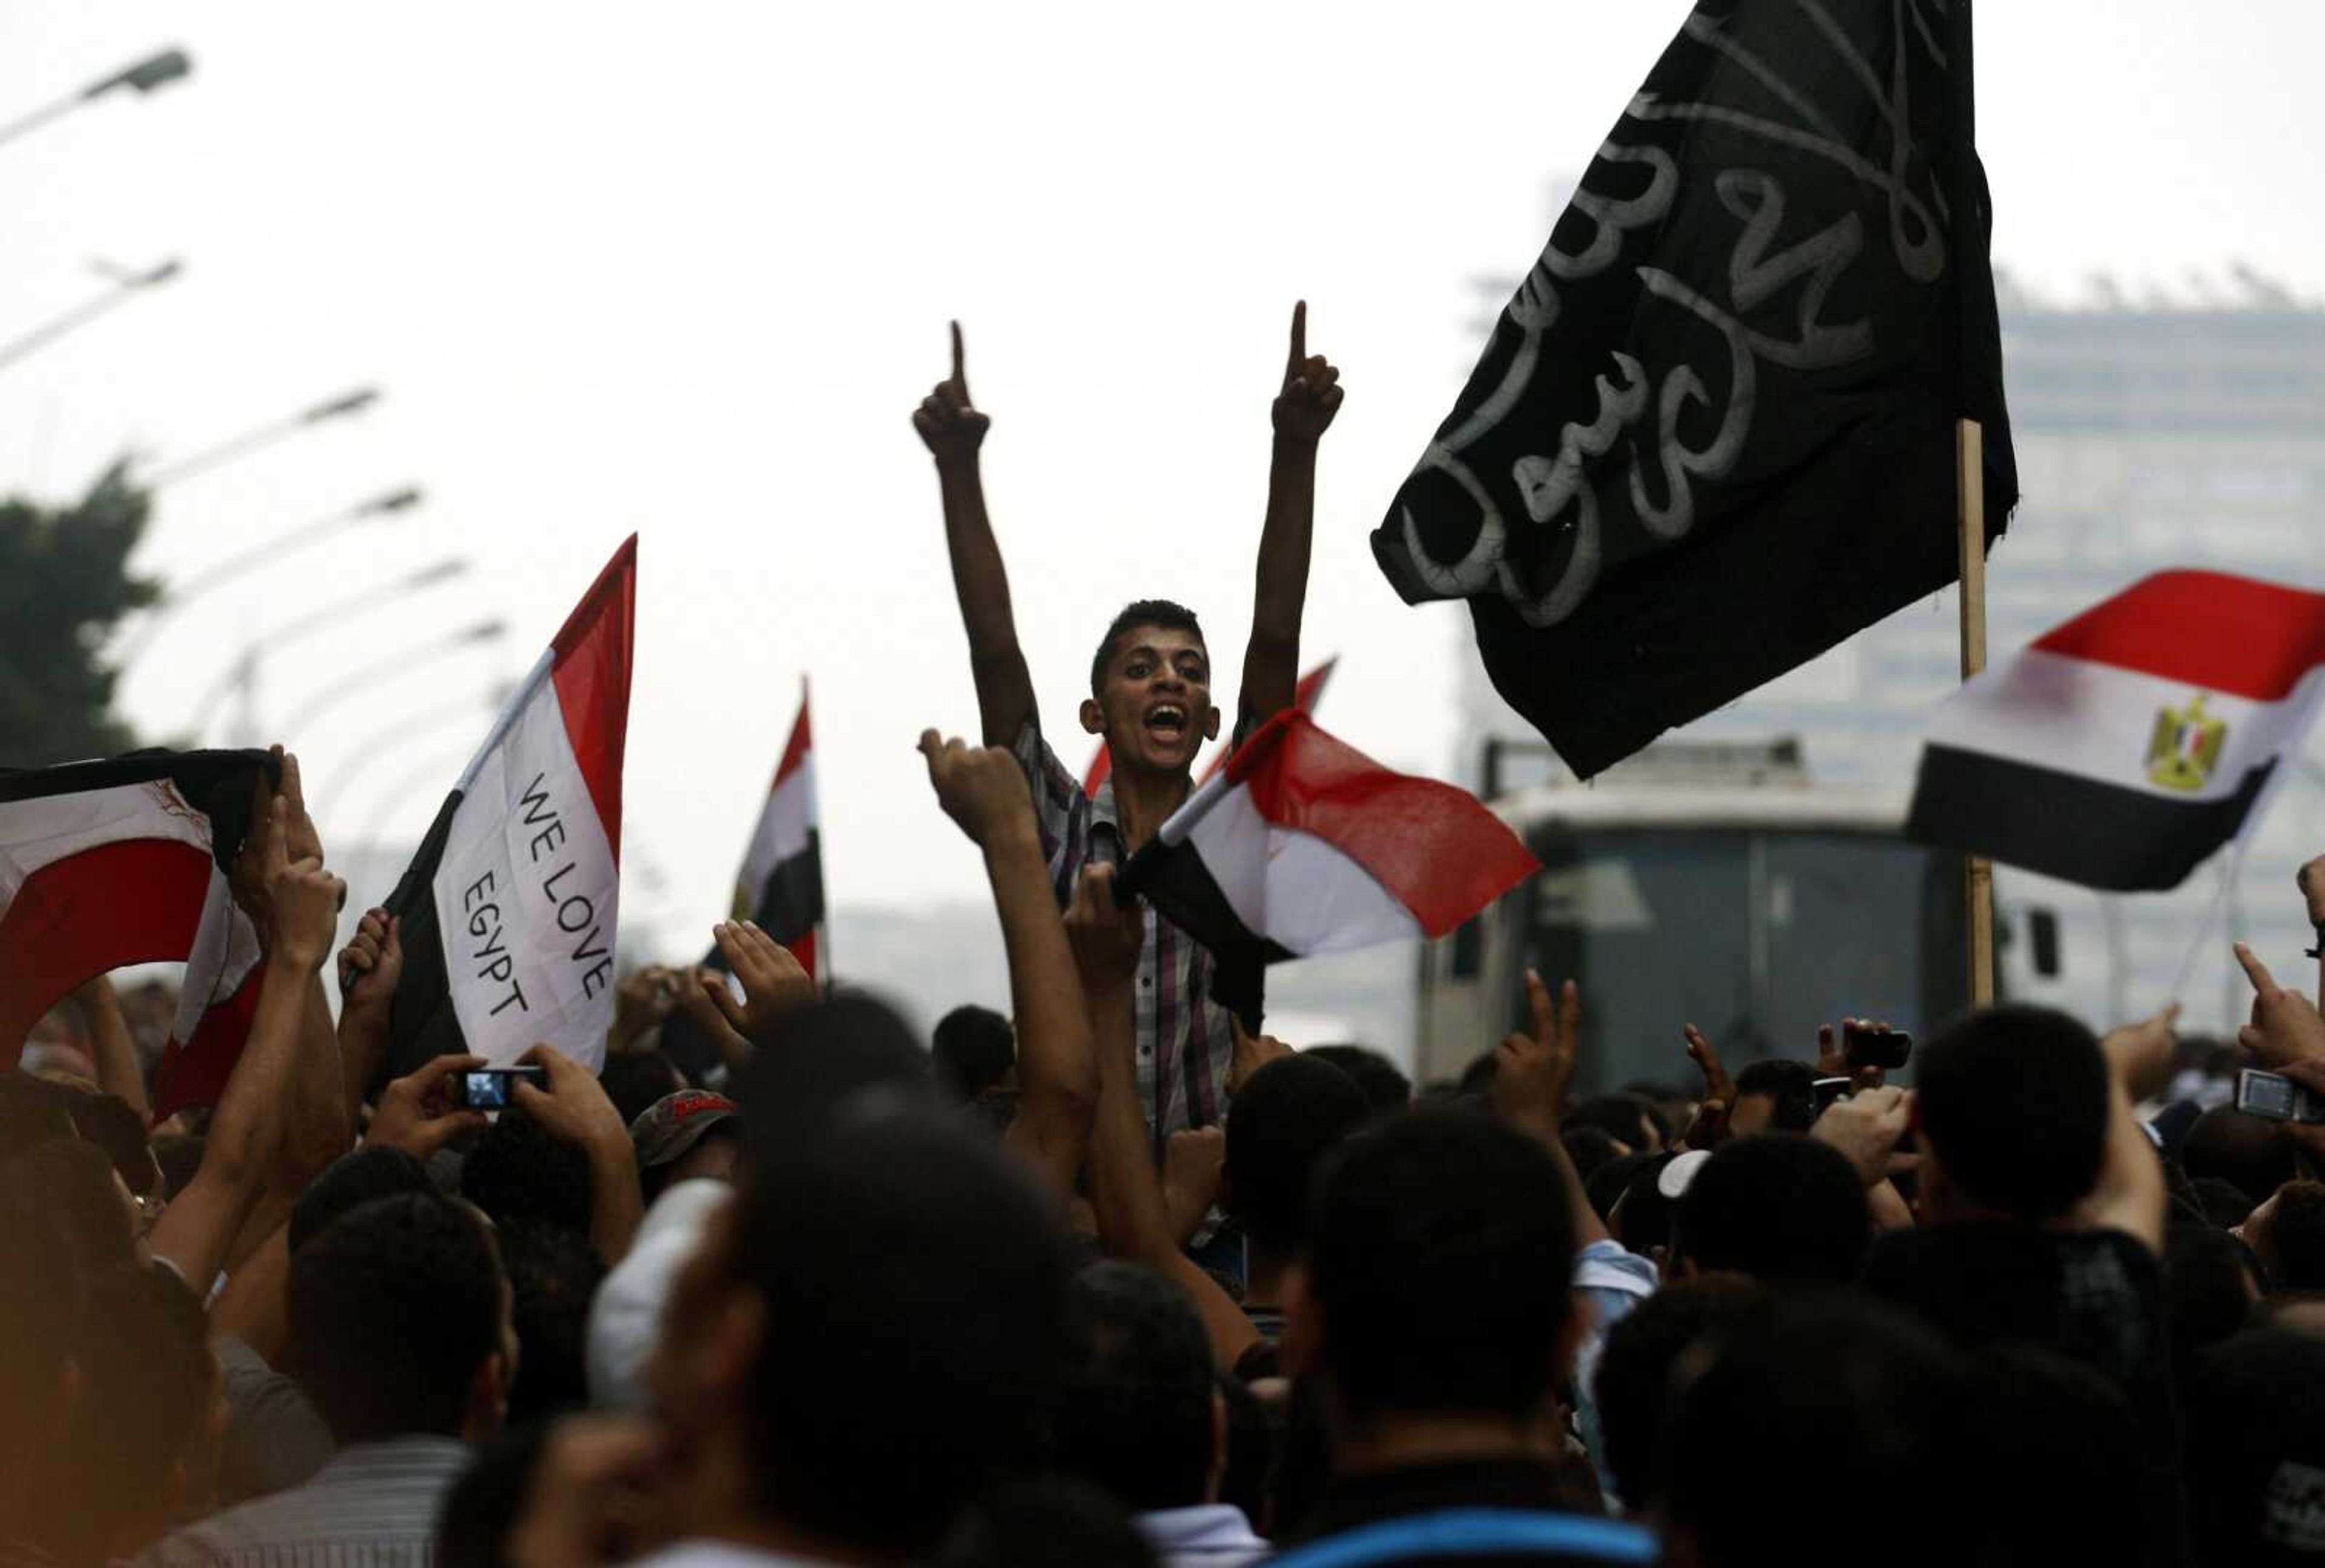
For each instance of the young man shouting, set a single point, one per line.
(1150, 699)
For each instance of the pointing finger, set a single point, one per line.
(276, 850)
(1545, 1021)
(291, 786)
(959, 364)
(2263, 982)
(1298, 339)
(1569, 1011)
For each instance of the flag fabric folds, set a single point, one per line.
(1304, 846)
(106, 864)
(2122, 748)
(1304, 696)
(1713, 433)
(509, 907)
(780, 884)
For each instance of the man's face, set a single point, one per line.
(1750, 1115)
(1154, 708)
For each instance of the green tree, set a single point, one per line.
(64, 583)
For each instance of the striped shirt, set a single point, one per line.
(373, 1507)
(1186, 1042)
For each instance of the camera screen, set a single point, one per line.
(486, 1090)
(2267, 1094)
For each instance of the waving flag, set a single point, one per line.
(1304, 845)
(509, 907)
(1304, 696)
(781, 885)
(1713, 433)
(104, 863)
(2123, 747)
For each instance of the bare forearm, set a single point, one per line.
(1132, 1219)
(116, 1053)
(617, 1202)
(1004, 690)
(320, 1129)
(364, 1036)
(1280, 593)
(1058, 1076)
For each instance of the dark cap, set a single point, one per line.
(667, 1131)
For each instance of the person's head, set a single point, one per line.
(2288, 1233)
(2061, 1460)
(520, 1170)
(692, 1135)
(113, 1125)
(634, 1080)
(1386, 1088)
(400, 1322)
(1592, 1149)
(1774, 1095)
(871, 1333)
(552, 1274)
(1286, 1119)
(1142, 1417)
(2255, 1456)
(2212, 1281)
(350, 1183)
(840, 1047)
(1634, 1383)
(1151, 690)
(1626, 1119)
(1784, 1209)
(1767, 1392)
(71, 1187)
(2013, 1104)
(2223, 1204)
(1639, 1217)
(2235, 1146)
(973, 1050)
(31, 1111)
(1436, 1277)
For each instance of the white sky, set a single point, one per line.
(685, 270)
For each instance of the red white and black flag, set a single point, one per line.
(509, 907)
(106, 864)
(1713, 433)
(2123, 747)
(1304, 845)
(780, 884)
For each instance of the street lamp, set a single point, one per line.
(398, 663)
(127, 285)
(154, 72)
(265, 435)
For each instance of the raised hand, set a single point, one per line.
(949, 427)
(2140, 1055)
(1867, 1128)
(372, 963)
(306, 841)
(1531, 1071)
(1717, 1084)
(1311, 386)
(418, 1114)
(982, 788)
(573, 1109)
(774, 982)
(643, 1001)
(1107, 938)
(2285, 1026)
(304, 898)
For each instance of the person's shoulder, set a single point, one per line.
(1478, 1539)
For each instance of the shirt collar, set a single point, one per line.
(420, 1450)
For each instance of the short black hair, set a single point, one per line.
(2014, 1103)
(68, 1184)
(1792, 1085)
(1639, 1217)
(552, 1274)
(2292, 1242)
(1440, 1258)
(1286, 1119)
(634, 1080)
(823, 1055)
(520, 1170)
(1782, 1209)
(393, 1307)
(972, 1050)
(1634, 1383)
(1145, 612)
(2229, 1144)
(350, 1182)
(1592, 1148)
(1603, 1185)
(878, 1406)
(1624, 1117)
(2255, 1433)
(1136, 1419)
(113, 1125)
(2210, 1279)
(1385, 1086)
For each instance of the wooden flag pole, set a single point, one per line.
(1978, 871)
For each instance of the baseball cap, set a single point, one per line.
(667, 1131)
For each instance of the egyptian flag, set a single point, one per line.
(2123, 747)
(106, 864)
(509, 907)
(781, 885)
(1304, 845)
(1304, 696)
(1713, 433)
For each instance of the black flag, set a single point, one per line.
(1713, 434)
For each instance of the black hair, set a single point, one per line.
(31, 1111)
(113, 1125)
(2232, 1145)
(1786, 1209)
(878, 1408)
(1624, 1117)
(1048, 1522)
(2256, 1435)
(1145, 612)
(1896, 1415)
(1251, 1448)
(1640, 1216)
(1440, 1258)
(1385, 1086)
(2210, 1280)
(142, 1347)
(552, 1274)
(69, 1185)
(2014, 1103)
(821, 1056)
(1591, 1148)
(350, 1182)
(2223, 1204)
(483, 1506)
(634, 1080)
(2292, 1243)
(394, 1307)
(1135, 1418)
(1605, 1184)
(520, 1170)
(2060, 1455)
(1791, 1085)
(1286, 1119)
(1477, 1078)
(971, 1051)
(1633, 1385)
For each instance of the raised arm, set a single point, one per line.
(1531, 1075)
(1303, 411)
(953, 431)
(111, 1049)
(986, 793)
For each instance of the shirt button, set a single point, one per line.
(1146, 1049)
(1147, 982)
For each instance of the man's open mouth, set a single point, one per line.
(1166, 721)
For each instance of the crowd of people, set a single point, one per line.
(1115, 1279)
